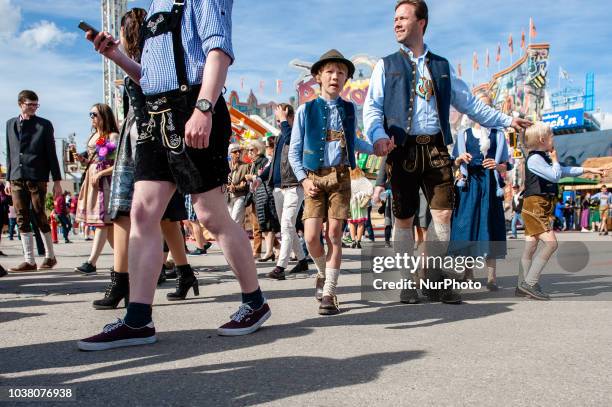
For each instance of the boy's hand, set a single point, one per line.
(384, 146)
(553, 155)
(309, 188)
(598, 171)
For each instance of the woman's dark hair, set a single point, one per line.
(132, 22)
(108, 123)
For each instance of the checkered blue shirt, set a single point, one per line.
(206, 25)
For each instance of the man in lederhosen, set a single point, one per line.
(186, 54)
(406, 115)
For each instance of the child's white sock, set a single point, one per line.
(331, 281)
(320, 265)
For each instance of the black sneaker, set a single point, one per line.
(300, 267)
(118, 335)
(197, 252)
(245, 320)
(277, 274)
(537, 286)
(409, 296)
(3, 272)
(448, 296)
(207, 246)
(86, 269)
(533, 291)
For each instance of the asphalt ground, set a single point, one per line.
(492, 350)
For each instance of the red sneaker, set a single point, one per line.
(245, 321)
(118, 335)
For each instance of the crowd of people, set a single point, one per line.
(170, 167)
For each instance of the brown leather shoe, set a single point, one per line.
(47, 264)
(23, 267)
(329, 305)
(320, 282)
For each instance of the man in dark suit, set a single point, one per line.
(30, 158)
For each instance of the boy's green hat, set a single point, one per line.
(332, 55)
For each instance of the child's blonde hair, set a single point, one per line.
(536, 134)
(357, 173)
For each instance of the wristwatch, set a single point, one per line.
(204, 106)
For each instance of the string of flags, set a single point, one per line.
(262, 85)
(498, 56)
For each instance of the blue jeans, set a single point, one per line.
(517, 216)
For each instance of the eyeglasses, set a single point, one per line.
(235, 151)
(93, 114)
(251, 149)
(32, 104)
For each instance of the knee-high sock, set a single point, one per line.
(331, 281)
(48, 243)
(524, 269)
(539, 263)
(438, 234)
(320, 265)
(403, 242)
(27, 241)
(535, 270)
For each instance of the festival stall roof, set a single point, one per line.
(577, 181)
(575, 149)
(271, 129)
(242, 123)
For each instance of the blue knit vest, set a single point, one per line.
(315, 132)
(400, 93)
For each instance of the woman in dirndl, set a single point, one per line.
(478, 222)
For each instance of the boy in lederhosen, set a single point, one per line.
(322, 150)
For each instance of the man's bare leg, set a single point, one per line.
(145, 254)
(231, 237)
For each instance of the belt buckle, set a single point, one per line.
(423, 139)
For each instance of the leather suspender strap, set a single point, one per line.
(177, 46)
(170, 22)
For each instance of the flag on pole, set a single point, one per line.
(563, 74)
(511, 44)
(241, 83)
(261, 86)
(488, 59)
(523, 40)
(475, 62)
(532, 29)
(459, 71)
(279, 86)
(498, 56)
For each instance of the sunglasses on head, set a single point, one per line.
(93, 114)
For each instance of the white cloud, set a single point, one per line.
(10, 18)
(45, 34)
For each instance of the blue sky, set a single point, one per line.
(42, 49)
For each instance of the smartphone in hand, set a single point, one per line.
(86, 27)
